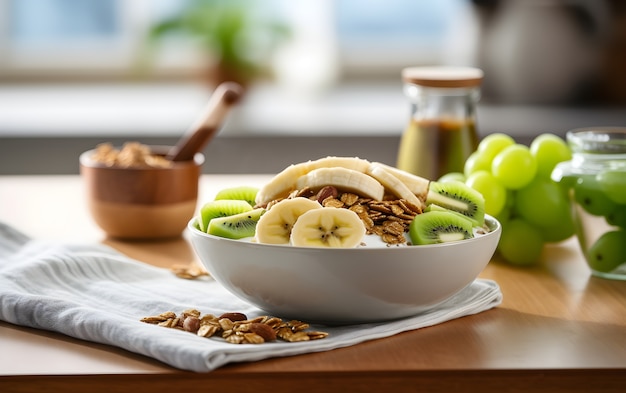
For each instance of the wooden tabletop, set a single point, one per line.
(558, 329)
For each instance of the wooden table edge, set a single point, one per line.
(553, 380)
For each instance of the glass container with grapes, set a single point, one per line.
(596, 180)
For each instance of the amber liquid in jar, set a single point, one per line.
(441, 133)
(433, 147)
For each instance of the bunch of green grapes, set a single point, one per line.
(515, 181)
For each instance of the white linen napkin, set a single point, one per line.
(94, 293)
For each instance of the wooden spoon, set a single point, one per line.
(205, 128)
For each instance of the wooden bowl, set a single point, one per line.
(141, 202)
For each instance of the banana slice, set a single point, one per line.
(285, 181)
(274, 227)
(393, 184)
(345, 179)
(328, 227)
(282, 184)
(416, 184)
(354, 163)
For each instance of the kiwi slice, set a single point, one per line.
(237, 226)
(221, 208)
(458, 197)
(435, 207)
(438, 226)
(241, 193)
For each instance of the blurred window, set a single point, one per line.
(96, 37)
(381, 34)
(49, 21)
(73, 38)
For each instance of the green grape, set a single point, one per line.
(542, 203)
(608, 252)
(613, 183)
(520, 242)
(487, 149)
(617, 217)
(507, 212)
(549, 150)
(505, 215)
(493, 192)
(589, 195)
(476, 162)
(559, 232)
(563, 178)
(452, 176)
(493, 144)
(514, 167)
(510, 200)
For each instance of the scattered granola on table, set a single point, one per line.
(236, 328)
(189, 271)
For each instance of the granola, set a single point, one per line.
(389, 218)
(132, 154)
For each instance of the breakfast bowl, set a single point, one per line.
(344, 285)
(139, 200)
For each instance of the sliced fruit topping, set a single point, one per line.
(349, 173)
(354, 163)
(285, 181)
(289, 209)
(460, 198)
(344, 179)
(418, 185)
(328, 227)
(393, 184)
(241, 193)
(220, 208)
(434, 207)
(282, 184)
(438, 226)
(275, 226)
(237, 226)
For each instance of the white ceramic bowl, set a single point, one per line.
(337, 286)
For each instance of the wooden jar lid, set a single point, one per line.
(443, 76)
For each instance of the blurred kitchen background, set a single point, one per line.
(322, 76)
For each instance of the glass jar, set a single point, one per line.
(596, 181)
(441, 133)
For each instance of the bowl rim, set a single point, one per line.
(494, 225)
